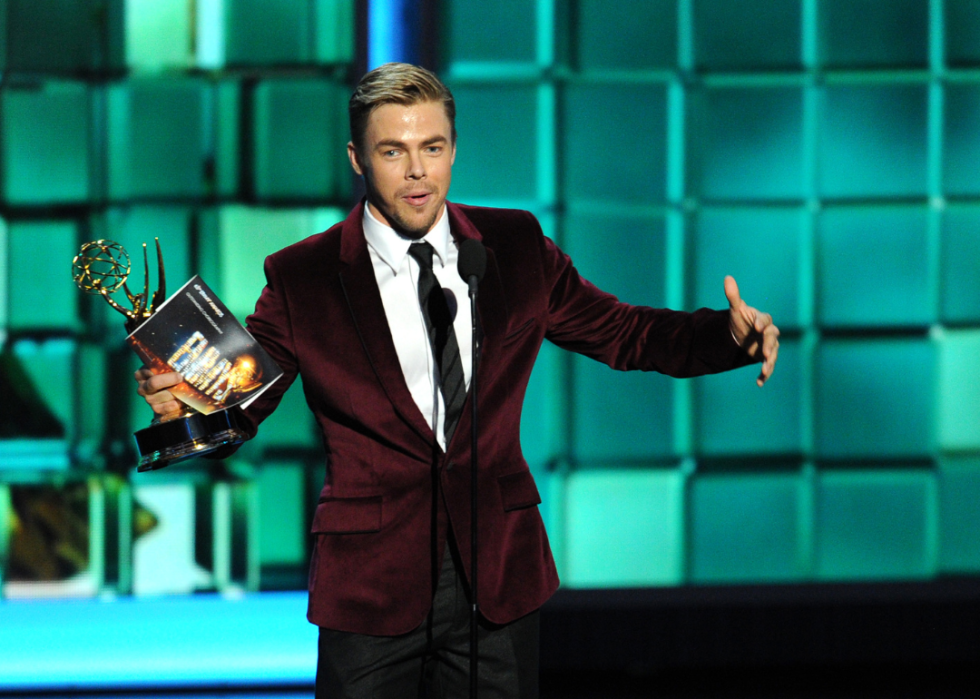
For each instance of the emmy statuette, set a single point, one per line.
(102, 267)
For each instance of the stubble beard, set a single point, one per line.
(410, 228)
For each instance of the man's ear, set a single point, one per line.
(355, 161)
(452, 158)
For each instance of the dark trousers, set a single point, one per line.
(433, 660)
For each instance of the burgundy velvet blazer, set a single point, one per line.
(390, 493)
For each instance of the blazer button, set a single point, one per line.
(450, 466)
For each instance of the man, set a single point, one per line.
(353, 311)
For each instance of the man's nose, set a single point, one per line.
(416, 167)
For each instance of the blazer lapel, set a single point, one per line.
(364, 299)
(491, 302)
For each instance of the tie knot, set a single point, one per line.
(422, 252)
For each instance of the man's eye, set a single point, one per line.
(435, 150)
(390, 153)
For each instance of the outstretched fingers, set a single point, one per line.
(770, 352)
(742, 317)
(753, 330)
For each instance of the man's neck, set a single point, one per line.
(392, 245)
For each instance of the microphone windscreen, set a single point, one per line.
(451, 303)
(472, 260)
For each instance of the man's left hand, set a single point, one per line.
(753, 330)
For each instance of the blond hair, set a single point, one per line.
(396, 83)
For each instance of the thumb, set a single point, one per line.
(731, 292)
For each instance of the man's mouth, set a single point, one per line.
(418, 199)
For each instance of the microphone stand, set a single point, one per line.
(473, 282)
(472, 264)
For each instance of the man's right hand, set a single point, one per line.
(155, 391)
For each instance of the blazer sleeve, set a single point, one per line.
(272, 326)
(584, 319)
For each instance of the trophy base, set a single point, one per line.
(165, 443)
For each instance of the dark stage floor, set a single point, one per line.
(873, 641)
(839, 682)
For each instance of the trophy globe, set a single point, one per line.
(102, 266)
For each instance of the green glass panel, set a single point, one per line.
(874, 398)
(638, 35)
(158, 34)
(50, 366)
(627, 163)
(41, 293)
(624, 528)
(622, 253)
(875, 525)
(734, 416)
(749, 34)
(495, 154)
(30, 431)
(747, 527)
(157, 138)
(334, 21)
(227, 100)
(962, 32)
(259, 32)
(291, 425)
(551, 486)
(960, 255)
(4, 264)
(542, 425)
(958, 397)
(288, 31)
(961, 148)
(747, 143)
(282, 513)
(166, 562)
(502, 31)
(44, 144)
(300, 140)
(64, 36)
(873, 141)
(3, 67)
(92, 403)
(239, 238)
(209, 34)
(873, 267)
(871, 33)
(761, 248)
(959, 516)
(617, 415)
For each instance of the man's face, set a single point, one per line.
(407, 164)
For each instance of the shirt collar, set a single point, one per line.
(392, 247)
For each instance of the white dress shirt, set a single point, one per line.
(397, 274)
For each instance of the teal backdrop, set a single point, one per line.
(824, 152)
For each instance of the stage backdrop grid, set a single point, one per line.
(662, 144)
(818, 150)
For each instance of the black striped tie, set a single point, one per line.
(439, 323)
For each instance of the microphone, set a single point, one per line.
(472, 262)
(451, 303)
